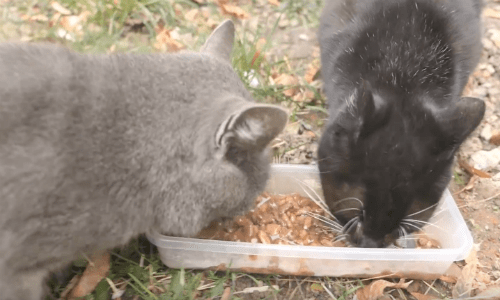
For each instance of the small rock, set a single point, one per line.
(486, 133)
(496, 177)
(304, 37)
(496, 274)
(471, 145)
(495, 37)
(486, 159)
(488, 45)
(283, 23)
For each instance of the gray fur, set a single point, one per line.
(96, 149)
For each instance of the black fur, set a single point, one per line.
(393, 73)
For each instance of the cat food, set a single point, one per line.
(285, 220)
(277, 219)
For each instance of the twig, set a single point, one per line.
(328, 291)
(480, 201)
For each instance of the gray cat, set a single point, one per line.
(96, 149)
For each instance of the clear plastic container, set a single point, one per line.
(449, 229)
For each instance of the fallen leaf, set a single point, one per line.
(97, 269)
(316, 287)
(464, 282)
(258, 48)
(311, 72)
(74, 23)
(55, 19)
(422, 296)
(376, 289)
(192, 14)
(305, 96)
(490, 292)
(232, 10)
(274, 2)
(70, 286)
(226, 295)
(452, 273)
(471, 170)
(491, 13)
(470, 184)
(35, 18)
(495, 139)
(287, 80)
(250, 290)
(165, 42)
(59, 8)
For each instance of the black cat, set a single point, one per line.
(393, 72)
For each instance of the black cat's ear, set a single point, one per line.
(220, 42)
(252, 128)
(371, 111)
(458, 122)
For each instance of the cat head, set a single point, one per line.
(233, 133)
(385, 165)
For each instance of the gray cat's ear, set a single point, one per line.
(220, 42)
(251, 129)
(457, 123)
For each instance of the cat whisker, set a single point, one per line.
(412, 225)
(326, 220)
(421, 211)
(318, 200)
(353, 222)
(347, 209)
(339, 238)
(348, 198)
(423, 222)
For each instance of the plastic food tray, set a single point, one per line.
(450, 230)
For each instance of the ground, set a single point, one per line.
(277, 56)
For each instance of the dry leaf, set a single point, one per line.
(74, 23)
(55, 19)
(495, 139)
(70, 286)
(451, 274)
(227, 294)
(35, 18)
(471, 170)
(96, 270)
(464, 282)
(250, 290)
(422, 296)
(274, 2)
(192, 14)
(376, 289)
(311, 72)
(286, 79)
(491, 13)
(258, 48)
(490, 293)
(305, 96)
(470, 184)
(232, 10)
(165, 42)
(59, 8)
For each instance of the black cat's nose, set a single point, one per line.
(366, 242)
